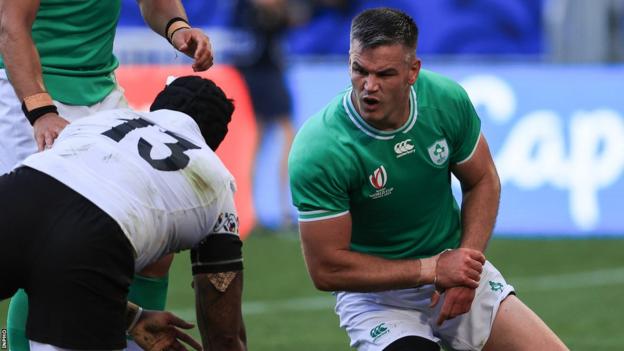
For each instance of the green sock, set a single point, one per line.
(16, 322)
(149, 293)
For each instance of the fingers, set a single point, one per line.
(188, 339)
(40, 138)
(194, 43)
(435, 298)
(203, 56)
(47, 128)
(179, 322)
(457, 301)
(477, 255)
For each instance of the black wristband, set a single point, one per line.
(172, 21)
(38, 112)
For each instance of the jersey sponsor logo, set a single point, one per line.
(438, 152)
(226, 223)
(403, 148)
(378, 180)
(378, 331)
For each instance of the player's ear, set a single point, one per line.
(414, 69)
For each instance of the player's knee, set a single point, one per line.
(411, 343)
(159, 268)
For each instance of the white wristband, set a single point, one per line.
(136, 319)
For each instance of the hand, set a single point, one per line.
(157, 331)
(460, 267)
(195, 44)
(457, 301)
(47, 128)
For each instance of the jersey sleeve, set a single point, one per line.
(318, 180)
(465, 128)
(221, 249)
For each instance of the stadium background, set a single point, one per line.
(554, 120)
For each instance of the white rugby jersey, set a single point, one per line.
(152, 172)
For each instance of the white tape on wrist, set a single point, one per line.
(137, 316)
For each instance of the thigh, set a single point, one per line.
(376, 330)
(374, 321)
(413, 343)
(471, 330)
(21, 218)
(78, 286)
(517, 328)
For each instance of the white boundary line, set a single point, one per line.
(601, 277)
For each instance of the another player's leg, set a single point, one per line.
(411, 343)
(517, 328)
(16, 322)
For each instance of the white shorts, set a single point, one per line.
(375, 320)
(17, 140)
(35, 346)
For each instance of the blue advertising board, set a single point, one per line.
(556, 134)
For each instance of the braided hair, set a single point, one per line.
(201, 99)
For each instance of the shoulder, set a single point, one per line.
(321, 145)
(321, 133)
(433, 88)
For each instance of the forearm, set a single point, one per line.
(20, 55)
(352, 271)
(479, 210)
(219, 315)
(157, 13)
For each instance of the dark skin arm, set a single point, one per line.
(219, 315)
(334, 267)
(23, 65)
(481, 195)
(193, 42)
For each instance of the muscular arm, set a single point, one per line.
(21, 58)
(219, 315)
(481, 195)
(23, 64)
(333, 266)
(157, 13)
(192, 41)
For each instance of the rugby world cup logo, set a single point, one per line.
(379, 178)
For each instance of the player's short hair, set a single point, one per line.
(384, 26)
(201, 99)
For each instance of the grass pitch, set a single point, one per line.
(575, 285)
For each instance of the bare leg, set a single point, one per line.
(517, 328)
(159, 268)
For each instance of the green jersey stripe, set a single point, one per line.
(318, 218)
(372, 131)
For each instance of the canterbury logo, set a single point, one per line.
(379, 178)
(378, 331)
(404, 147)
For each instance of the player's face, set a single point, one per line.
(381, 79)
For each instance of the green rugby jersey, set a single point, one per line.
(75, 42)
(396, 184)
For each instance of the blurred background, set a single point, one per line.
(547, 78)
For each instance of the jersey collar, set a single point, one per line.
(372, 131)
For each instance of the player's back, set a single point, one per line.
(152, 172)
